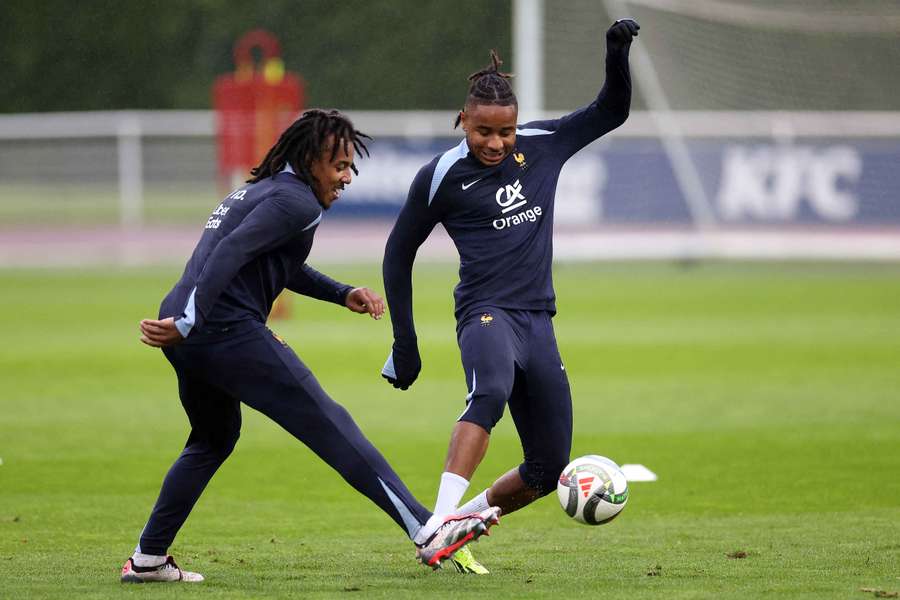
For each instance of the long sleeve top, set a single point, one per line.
(254, 245)
(499, 217)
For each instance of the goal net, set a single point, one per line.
(759, 113)
(789, 55)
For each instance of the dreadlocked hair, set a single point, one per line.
(305, 141)
(490, 86)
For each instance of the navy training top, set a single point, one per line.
(499, 217)
(254, 245)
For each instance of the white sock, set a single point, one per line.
(147, 560)
(476, 504)
(428, 528)
(450, 493)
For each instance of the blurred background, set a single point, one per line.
(763, 129)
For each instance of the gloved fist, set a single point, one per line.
(621, 33)
(403, 365)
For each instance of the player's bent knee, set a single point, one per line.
(485, 424)
(223, 446)
(226, 447)
(486, 408)
(484, 416)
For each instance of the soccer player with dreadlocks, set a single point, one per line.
(211, 328)
(494, 195)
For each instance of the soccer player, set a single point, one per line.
(211, 328)
(494, 195)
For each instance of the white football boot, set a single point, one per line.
(168, 571)
(454, 533)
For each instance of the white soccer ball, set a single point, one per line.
(592, 489)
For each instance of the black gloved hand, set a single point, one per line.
(406, 363)
(620, 34)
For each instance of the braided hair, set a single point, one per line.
(490, 86)
(304, 142)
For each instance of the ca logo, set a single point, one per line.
(513, 192)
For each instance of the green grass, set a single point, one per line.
(766, 397)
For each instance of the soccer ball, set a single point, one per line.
(592, 489)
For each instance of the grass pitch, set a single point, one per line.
(766, 397)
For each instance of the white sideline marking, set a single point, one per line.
(638, 473)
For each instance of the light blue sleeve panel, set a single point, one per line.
(185, 322)
(447, 160)
(530, 131)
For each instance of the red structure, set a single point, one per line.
(253, 105)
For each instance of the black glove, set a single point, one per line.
(621, 33)
(404, 364)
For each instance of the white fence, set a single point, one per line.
(146, 169)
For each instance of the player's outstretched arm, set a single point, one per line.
(609, 109)
(615, 96)
(309, 282)
(414, 224)
(306, 281)
(404, 363)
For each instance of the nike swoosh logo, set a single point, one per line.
(466, 186)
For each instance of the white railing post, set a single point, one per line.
(131, 173)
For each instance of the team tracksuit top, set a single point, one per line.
(499, 217)
(253, 246)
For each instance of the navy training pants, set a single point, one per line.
(510, 357)
(257, 368)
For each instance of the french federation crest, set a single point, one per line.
(520, 159)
